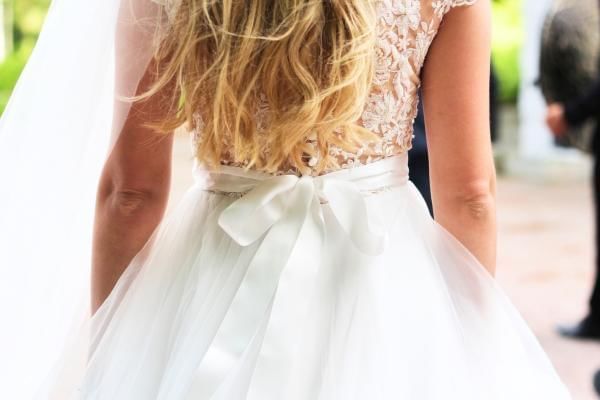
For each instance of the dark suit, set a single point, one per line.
(578, 111)
(418, 160)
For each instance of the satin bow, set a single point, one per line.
(278, 210)
(287, 200)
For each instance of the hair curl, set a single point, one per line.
(312, 61)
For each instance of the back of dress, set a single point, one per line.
(254, 286)
(406, 29)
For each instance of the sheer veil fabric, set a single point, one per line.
(199, 313)
(62, 119)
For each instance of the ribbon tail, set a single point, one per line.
(249, 217)
(251, 304)
(291, 319)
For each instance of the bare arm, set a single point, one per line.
(132, 197)
(456, 99)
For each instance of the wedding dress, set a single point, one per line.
(337, 286)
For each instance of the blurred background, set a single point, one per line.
(546, 243)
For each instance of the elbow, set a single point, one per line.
(479, 206)
(478, 200)
(131, 202)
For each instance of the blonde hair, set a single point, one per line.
(312, 61)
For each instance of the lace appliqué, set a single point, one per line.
(169, 6)
(406, 29)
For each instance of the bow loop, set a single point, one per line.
(252, 215)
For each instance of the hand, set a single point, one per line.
(555, 119)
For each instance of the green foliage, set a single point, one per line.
(10, 70)
(508, 38)
(27, 17)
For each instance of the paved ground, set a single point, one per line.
(545, 265)
(545, 262)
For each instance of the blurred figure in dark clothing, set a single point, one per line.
(559, 118)
(418, 161)
(494, 103)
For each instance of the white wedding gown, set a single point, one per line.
(337, 287)
(330, 287)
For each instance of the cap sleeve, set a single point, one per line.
(459, 3)
(441, 7)
(169, 7)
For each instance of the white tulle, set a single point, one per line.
(216, 307)
(64, 115)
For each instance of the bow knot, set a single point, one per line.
(270, 201)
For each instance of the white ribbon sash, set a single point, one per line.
(278, 209)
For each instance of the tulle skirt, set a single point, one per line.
(281, 288)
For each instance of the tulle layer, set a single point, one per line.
(421, 319)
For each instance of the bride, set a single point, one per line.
(302, 263)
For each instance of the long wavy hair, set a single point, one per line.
(310, 61)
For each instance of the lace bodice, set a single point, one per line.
(406, 29)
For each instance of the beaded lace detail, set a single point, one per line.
(406, 29)
(237, 195)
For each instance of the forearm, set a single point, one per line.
(125, 220)
(134, 186)
(472, 220)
